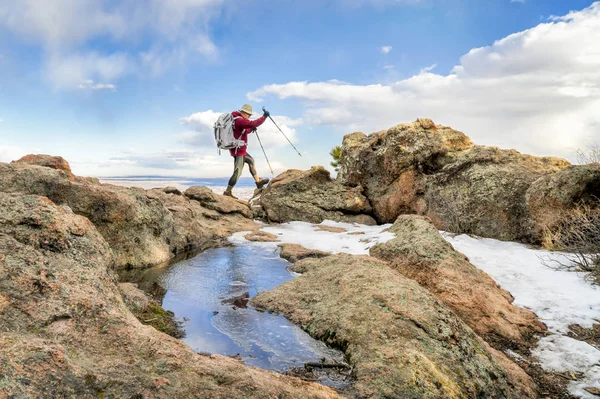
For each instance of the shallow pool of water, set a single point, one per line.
(201, 289)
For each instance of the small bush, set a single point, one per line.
(578, 235)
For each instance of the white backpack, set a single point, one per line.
(224, 133)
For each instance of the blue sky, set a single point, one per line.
(131, 87)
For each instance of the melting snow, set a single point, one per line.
(559, 298)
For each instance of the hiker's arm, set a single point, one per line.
(248, 124)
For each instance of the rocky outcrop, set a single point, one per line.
(313, 196)
(401, 341)
(142, 227)
(433, 170)
(420, 253)
(49, 161)
(208, 199)
(552, 198)
(65, 331)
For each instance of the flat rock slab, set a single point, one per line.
(295, 252)
(261, 236)
(331, 229)
(401, 341)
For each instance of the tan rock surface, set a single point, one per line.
(208, 199)
(48, 161)
(437, 171)
(66, 332)
(142, 227)
(420, 253)
(401, 341)
(295, 252)
(313, 196)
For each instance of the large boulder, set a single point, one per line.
(143, 227)
(420, 253)
(208, 199)
(401, 341)
(66, 333)
(434, 170)
(313, 196)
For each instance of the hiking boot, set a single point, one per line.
(261, 183)
(228, 193)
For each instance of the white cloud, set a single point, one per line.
(90, 85)
(178, 30)
(386, 49)
(537, 91)
(1, 120)
(270, 136)
(518, 1)
(428, 69)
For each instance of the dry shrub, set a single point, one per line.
(590, 155)
(578, 234)
(456, 209)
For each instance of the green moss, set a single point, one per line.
(163, 320)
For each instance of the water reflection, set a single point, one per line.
(200, 289)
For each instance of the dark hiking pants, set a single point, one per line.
(238, 167)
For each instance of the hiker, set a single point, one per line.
(242, 127)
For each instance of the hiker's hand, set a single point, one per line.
(254, 130)
(266, 113)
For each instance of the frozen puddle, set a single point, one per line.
(559, 298)
(203, 290)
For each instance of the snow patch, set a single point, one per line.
(356, 240)
(559, 298)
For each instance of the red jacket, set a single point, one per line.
(242, 127)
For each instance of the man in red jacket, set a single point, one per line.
(242, 127)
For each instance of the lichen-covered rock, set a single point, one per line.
(437, 171)
(552, 198)
(135, 299)
(48, 161)
(295, 252)
(66, 333)
(313, 196)
(420, 253)
(401, 341)
(208, 199)
(142, 227)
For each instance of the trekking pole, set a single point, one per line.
(264, 109)
(263, 150)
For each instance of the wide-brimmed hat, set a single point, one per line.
(247, 108)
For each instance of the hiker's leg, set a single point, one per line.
(252, 166)
(238, 165)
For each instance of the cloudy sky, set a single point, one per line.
(132, 87)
